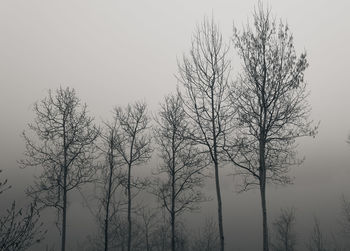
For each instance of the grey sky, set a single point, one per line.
(115, 52)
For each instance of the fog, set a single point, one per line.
(116, 52)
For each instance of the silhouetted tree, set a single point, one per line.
(345, 221)
(133, 145)
(270, 100)
(285, 237)
(317, 241)
(162, 232)
(117, 234)
(111, 178)
(64, 149)
(20, 228)
(3, 185)
(207, 238)
(148, 224)
(182, 162)
(204, 75)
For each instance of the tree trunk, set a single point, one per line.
(129, 209)
(129, 188)
(65, 173)
(262, 181)
(64, 216)
(264, 215)
(172, 231)
(218, 196)
(216, 167)
(107, 206)
(147, 241)
(173, 218)
(286, 241)
(106, 230)
(173, 196)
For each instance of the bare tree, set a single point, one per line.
(345, 216)
(161, 232)
(64, 149)
(204, 75)
(317, 241)
(182, 162)
(207, 238)
(117, 233)
(148, 224)
(270, 100)
(3, 185)
(133, 145)
(111, 178)
(285, 237)
(20, 228)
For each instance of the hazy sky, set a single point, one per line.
(115, 52)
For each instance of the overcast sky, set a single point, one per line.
(116, 52)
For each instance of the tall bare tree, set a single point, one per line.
(270, 100)
(63, 148)
(285, 237)
(111, 177)
(204, 75)
(133, 145)
(182, 162)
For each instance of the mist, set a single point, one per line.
(114, 53)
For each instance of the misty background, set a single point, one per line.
(117, 52)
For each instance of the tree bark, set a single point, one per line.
(218, 196)
(173, 214)
(65, 173)
(173, 195)
(129, 208)
(264, 215)
(129, 189)
(262, 180)
(107, 207)
(172, 229)
(147, 241)
(64, 216)
(216, 167)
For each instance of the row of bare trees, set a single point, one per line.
(251, 123)
(254, 122)
(285, 237)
